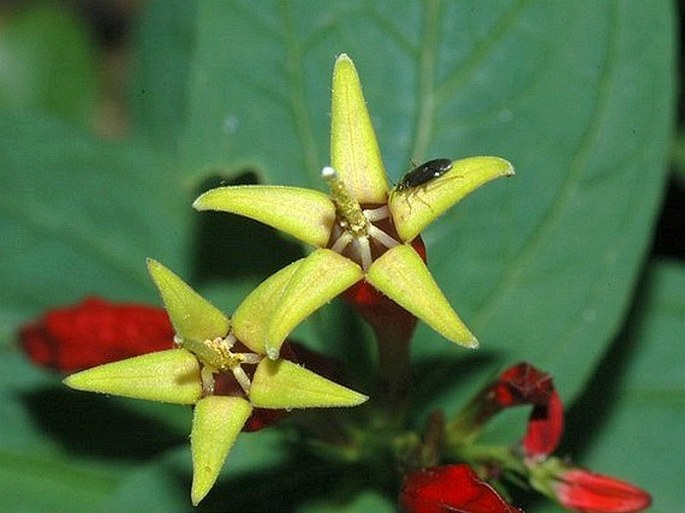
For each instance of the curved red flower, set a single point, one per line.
(545, 427)
(450, 488)
(524, 384)
(94, 332)
(588, 492)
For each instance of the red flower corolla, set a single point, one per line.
(545, 426)
(450, 488)
(523, 384)
(588, 492)
(94, 332)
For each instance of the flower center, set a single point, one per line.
(217, 357)
(360, 234)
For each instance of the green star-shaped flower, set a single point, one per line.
(363, 230)
(207, 341)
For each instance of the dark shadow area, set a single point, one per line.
(669, 238)
(351, 342)
(598, 402)
(227, 246)
(303, 479)
(95, 425)
(448, 374)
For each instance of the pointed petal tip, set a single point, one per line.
(69, 382)
(217, 422)
(463, 337)
(413, 210)
(197, 205)
(472, 343)
(509, 170)
(196, 496)
(171, 376)
(343, 57)
(287, 385)
(273, 353)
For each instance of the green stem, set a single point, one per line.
(394, 328)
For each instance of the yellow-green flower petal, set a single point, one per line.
(193, 317)
(251, 319)
(216, 424)
(284, 384)
(414, 209)
(319, 278)
(354, 150)
(401, 275)
(171, 376)
(306, 214)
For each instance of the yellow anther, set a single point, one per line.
(352, 219)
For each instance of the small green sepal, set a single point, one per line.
(415, 208)
(319, 278)
(193, 317)
(171, 376)
(217, 421)
(284, 385)
(355, 154)
(401, 275)
(306, 214)
(251, 319)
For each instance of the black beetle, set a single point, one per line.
(423, 174)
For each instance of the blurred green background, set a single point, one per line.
(115, 115)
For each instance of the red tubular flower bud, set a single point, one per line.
(588, 492)
(450, 488)
(522, 384)
(545, 427)
(94, 332)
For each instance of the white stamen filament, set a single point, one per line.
(382, 237)
(242, 378)
(207, 378)
(364, 251)
(342, 242)
(250, 358)
(230, 340)
(377, 214)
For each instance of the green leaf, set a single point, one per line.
(48, 64)
(637, 401)
(361, 503)
(82, 216)
(165, 37)
(578, 97)
(161, 485)
(37, 474)
(543, 266)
